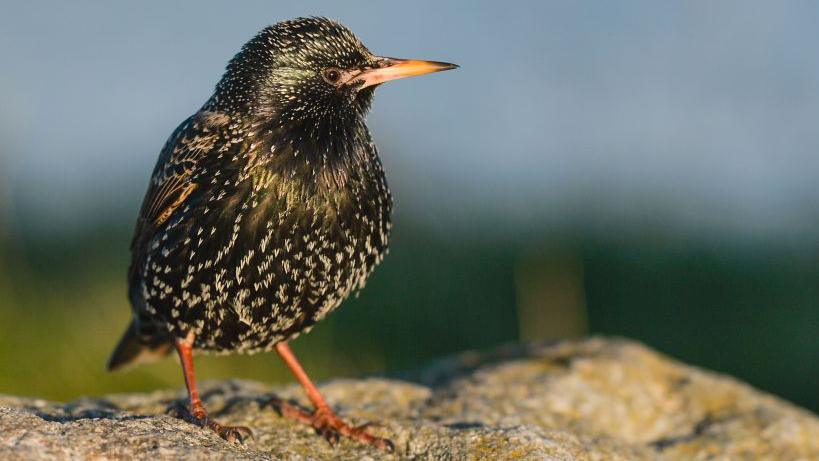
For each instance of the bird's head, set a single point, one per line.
(311, 71)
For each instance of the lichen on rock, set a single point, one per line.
(596, 399)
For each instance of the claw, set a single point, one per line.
(233, 434)
(329, 435)
(387, 445)
(329, 426)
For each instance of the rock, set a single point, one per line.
(598, 399)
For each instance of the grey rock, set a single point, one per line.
(597, 399)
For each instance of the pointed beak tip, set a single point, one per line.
(437, 66)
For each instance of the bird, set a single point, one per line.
(266, 209)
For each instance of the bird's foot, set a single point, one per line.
(330, 426)
(233, 434)
(198, 416)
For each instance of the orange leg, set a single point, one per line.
(229, 433)
(323, 419)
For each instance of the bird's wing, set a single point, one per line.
(173, 180)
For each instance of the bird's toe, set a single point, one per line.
(233, 434)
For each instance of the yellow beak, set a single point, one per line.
(393, 69)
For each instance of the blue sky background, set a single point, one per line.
(697, 118)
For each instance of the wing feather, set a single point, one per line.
(173, 180)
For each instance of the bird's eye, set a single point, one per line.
(331, 75)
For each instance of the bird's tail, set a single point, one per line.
(136, 347)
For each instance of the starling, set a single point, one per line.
(265, 210)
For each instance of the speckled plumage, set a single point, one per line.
(266, 209)
(269, 205)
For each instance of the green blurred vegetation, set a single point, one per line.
(746, 311)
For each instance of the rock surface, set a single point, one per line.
(598, 399)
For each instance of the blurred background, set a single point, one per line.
(635, 168)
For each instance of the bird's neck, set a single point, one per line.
(330, 152)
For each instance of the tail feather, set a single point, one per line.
(136, 347)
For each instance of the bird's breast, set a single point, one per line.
(263, 256)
